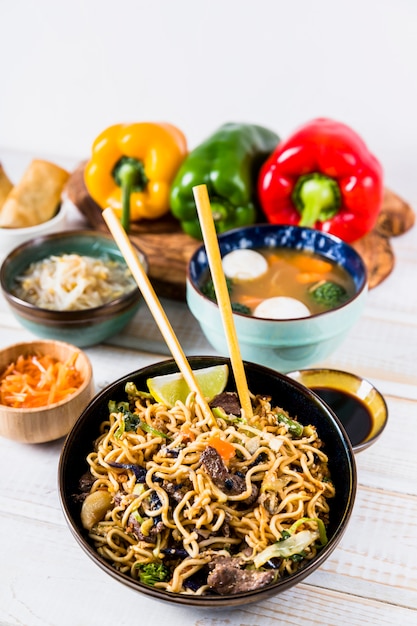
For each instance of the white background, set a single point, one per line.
(70, 69)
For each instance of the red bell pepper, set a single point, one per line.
(324, 177)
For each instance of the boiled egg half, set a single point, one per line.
(244, 264)
(281, 308)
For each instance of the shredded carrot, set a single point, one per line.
(223, 447)
(38, 380)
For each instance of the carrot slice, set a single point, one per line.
(304, 278)
(38, 380)
(250, 301)
(223, 447)
(187, 433)
(310, 264)
(273, 258)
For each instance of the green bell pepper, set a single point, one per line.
(228, 163)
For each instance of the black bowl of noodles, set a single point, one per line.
(203, 513)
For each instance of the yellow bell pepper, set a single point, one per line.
(132, 167)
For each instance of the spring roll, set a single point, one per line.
(5, 186)
(36, 197)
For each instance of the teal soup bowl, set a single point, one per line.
(81, 327)
(283, 344)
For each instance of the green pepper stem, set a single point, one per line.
(129, 174)
(126, 191)
(317, 198)
(219, 210)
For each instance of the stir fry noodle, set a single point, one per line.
(197, 506)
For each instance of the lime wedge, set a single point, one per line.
(172, 387)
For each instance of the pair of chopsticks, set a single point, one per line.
(222, 295)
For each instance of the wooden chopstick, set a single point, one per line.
(150, 297)
(223, 300)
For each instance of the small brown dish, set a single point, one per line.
(50, 422)
(360, 407)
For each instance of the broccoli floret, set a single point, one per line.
(327, 293)
(152, 573)
(208, 288)
(237, 307)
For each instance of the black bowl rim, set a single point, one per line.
(210, 601)
(271, 227)
(104, 311)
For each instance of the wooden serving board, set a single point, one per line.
(168, 249)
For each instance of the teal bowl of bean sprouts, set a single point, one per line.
(73, 286)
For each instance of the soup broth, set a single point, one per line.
(292, 274)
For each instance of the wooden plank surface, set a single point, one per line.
(168, 249)
(370, 578)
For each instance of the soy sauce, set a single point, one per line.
(352, 412)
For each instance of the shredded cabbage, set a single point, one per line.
(294, 544)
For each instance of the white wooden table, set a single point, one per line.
(371, 577)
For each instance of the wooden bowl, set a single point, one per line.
(39, 425)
